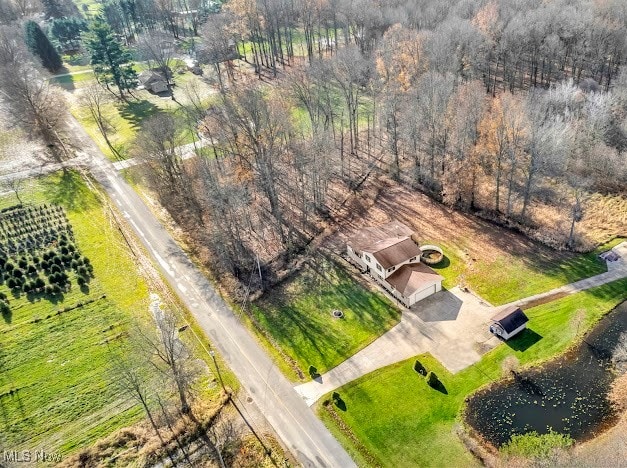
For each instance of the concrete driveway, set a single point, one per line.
(451, 325)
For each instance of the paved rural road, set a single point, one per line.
(303, 434)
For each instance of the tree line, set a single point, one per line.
(415, 89)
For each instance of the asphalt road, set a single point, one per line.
(294, 422)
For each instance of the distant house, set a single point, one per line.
(508, 322)
(153, 81)
(392, 257)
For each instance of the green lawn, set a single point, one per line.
(126, 118)
(55, 387)
(76, 80)
(298, 316)
(403, 422)
(509, 278)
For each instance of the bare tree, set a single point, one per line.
(94, 98)
(159, 50)
(30, 99)
(219, 45)
(170, 356)
(160, 144)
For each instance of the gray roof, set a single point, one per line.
(510, 318)
(148, 77)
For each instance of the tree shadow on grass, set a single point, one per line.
(69, 190)
(66, 82)
(339, 403)
(135, 112)
(7, 315)
(524, 340)
(439, 386)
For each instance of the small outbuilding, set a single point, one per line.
(508, 322)
(153, 81)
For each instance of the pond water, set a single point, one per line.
(568, 395)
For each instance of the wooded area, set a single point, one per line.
(511, 110)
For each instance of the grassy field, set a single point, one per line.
(505, 279)
(298, 316)
(126, 118)
(56, 390)
(403, 422)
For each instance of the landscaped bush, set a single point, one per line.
(48, 289)
(81, 280)
(11, 283)
(39, 283)
(56, 289)
(418, 367)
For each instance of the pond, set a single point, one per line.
(567, 395)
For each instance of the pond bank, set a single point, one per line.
(568, 395)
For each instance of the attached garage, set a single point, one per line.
(426, 292)
(414, 282)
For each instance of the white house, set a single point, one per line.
(392, 257)
(508, 322)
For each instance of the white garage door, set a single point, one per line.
(419, 295)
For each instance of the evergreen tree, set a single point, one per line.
(40, 45)
(111, 61)
(68, 31)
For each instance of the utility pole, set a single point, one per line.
(215, 363)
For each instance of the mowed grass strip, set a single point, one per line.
(55, 372)
(403, 422)
(298, 316)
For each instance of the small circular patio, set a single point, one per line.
(431, 254)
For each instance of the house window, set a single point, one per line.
(379, 267)
(390, 270)
(413, 259)
(367, 258)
